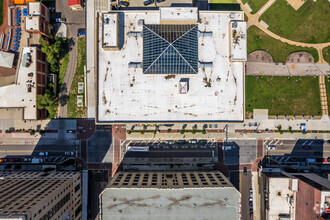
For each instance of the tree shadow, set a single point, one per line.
(71, 43)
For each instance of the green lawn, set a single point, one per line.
(283, 95)
(258, 40)
(327, 86)
(255, 5)
(326, 54)
(72, 110)
(64, 65)
(1, 11)
(309, 24)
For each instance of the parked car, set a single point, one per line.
(251, 203)
(43, 153)
(202, 142)
(61, 20)
(251, 213)
(81, 34)
(123, 3)
(170, 142)
(148, 2)
(245, 171)
(192, 141)
(328, 159)
(159, 1)
(272, 147)
(181, 142)
(293, 159)
(306, 147)
(251, 193)
(317, 153)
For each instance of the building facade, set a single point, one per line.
(30, 195)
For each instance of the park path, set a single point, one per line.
(254, 20)
(323, 95)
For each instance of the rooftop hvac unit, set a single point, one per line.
(232, 15)
(135, 65)
(205, 64)
(205, 34)
(141, 22)
(135, 34)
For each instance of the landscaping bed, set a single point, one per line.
(326, 54)
(73, 111)
(283, 95)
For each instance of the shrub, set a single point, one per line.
(129, 132)
(193, 132)
(182, 132)
(142, 132)
(32, 132)
(204, 132)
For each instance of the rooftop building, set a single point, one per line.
(38, 195)
(170, 195)
(171, 65)
(297, 196)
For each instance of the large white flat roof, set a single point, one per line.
(17, 95)
(188, 203)
(126, 94)
(32, 23)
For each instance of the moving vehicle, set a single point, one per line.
(61, 20)
(148, 2)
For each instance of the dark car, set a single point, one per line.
(317, 153)
(181, 142)
(251, 204)
(328, 159)
(123, 3)
(148, 2)
(202, 142)
(251, 213)
(245, 171)
(293, 159)
(159, 1)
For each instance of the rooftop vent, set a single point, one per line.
(205, 64)
(205, 34)
(135, 34)
(135, 65)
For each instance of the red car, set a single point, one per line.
(307, 147)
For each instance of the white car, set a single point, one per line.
(272, 147)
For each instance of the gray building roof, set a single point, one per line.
(6, 59)
(170, 195)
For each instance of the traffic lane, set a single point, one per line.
(301, 153)
(170, 154)
(28, 150)
(245, 183)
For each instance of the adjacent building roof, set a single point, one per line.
(6, 59)
(170, 195)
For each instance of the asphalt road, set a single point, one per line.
(242, 152)
(296, 149)
(245, 185)
(33, 150)
(74, 21)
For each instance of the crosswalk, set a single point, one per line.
(273, 142)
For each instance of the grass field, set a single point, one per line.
(258, 40)
(1, 12)
(64, 65)
(308, 24)
(283, 95)
(327, 86)
(72, 110)
(326, 54)
(255, 5)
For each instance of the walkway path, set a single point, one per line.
(323, 94)
(254, 20)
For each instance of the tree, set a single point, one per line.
(54, 50)
(47, 101)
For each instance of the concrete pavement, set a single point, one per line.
(287, 69)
